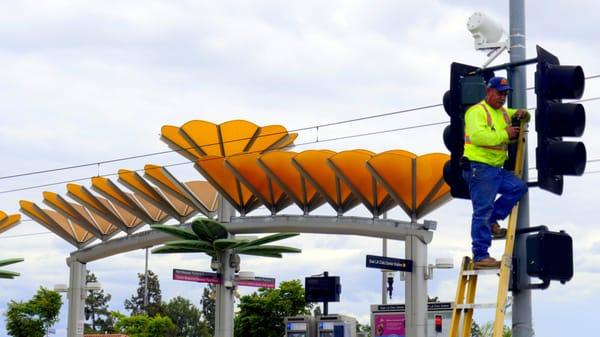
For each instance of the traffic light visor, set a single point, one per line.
(560, 82)
(567, 158)
(565, 120)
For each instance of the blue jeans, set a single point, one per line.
(485, 182)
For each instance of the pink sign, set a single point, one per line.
(196, 276)
(261, 282)
(389, 325)
(214, 278)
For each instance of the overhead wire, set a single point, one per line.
(188, 162)
(316, 127)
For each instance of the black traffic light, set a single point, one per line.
(550, 256)
(554, 120)
(467, 87)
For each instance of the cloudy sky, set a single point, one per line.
(85, 82)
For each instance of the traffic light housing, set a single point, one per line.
(550, 256)
(554, 120)
(467, 87)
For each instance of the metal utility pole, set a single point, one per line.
(76, 296)
(224, 300)
(521, 310)
(415, 288)
(384, 275)
(146, 284)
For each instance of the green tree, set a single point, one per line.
(96, 308)
(475, 330)
(144, 326)
(34, 317)
(208, 307)
(187, 318)
(136, 303)
(7, 273)
(212, 238)
(262, 313)
(363, 328)
(487, 330)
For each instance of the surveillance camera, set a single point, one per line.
(61, 288)
(93, 286)
(215, 265)
(246, 275)
(228, 284)
(444, 263)
(485, 30)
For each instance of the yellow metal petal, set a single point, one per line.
(236, 135)
(178, 142)
(394, 170)
(278, 165)
(214, 170)
(204, 136)
(246, 168)
(8, 221)
(350, 167)
(313, 165)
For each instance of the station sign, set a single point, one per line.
(215, 278)
(196, 276)
(389, 263)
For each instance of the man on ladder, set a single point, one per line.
(488, 131)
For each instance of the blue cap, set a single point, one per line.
(499, 83)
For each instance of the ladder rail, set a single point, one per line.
(467, 279)
(506, 264)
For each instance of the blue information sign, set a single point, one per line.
(390, 263)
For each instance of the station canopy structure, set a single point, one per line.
(250, 166)
(8, 221)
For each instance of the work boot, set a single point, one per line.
(486, 263)
(497, 231)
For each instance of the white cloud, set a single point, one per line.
(90, 82)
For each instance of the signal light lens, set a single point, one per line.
(438, 323)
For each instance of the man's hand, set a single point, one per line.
(522, 114)
(513, 131)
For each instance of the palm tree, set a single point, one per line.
(6, 273)
(211, 237)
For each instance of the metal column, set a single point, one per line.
(416, 288)
(521, 311)
(76, 297)
(224, 300)
(384, 275)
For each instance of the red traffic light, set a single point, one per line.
(438, 323)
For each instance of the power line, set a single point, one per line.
(316, 127)
(299, 144)
(587, 78)
(187, 162)
(23, 235)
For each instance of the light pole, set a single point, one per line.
(76, 294)
(487, 33)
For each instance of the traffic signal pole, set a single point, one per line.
(521, 308)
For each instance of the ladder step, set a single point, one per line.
(474, 306)
(481, 272)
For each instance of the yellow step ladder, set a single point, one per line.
(464, 304)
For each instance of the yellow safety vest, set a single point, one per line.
(486, 139)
